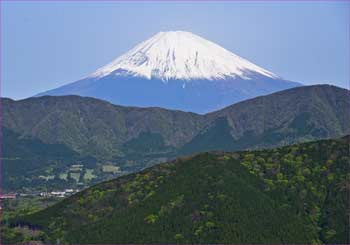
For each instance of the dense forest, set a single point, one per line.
(292, 194)
(41, 152)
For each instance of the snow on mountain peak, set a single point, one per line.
(181, 55)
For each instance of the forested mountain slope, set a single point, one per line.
(293, 194)
(133, 138)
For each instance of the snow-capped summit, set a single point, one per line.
(181, 55)
(177, 70)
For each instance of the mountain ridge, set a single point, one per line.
(101, 129)
(305, 96)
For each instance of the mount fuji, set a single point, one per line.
(177, 70)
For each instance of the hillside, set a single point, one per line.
(30, 165)
(287, 117)
(25, 160)
(241, 197)
(131, 138)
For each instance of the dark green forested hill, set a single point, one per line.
(135, 138)
(293, 194)
(100, 129)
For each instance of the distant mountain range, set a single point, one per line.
(134, 138)
(291, 195)
(177, 70)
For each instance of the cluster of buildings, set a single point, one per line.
(8, 196)
(66, 192)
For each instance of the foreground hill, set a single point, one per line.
(293, 194)
(134, 138)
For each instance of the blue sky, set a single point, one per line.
(48, 44)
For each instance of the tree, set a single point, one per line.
(330, 233)
(178, 236)
(151, 219)
(210, 224)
